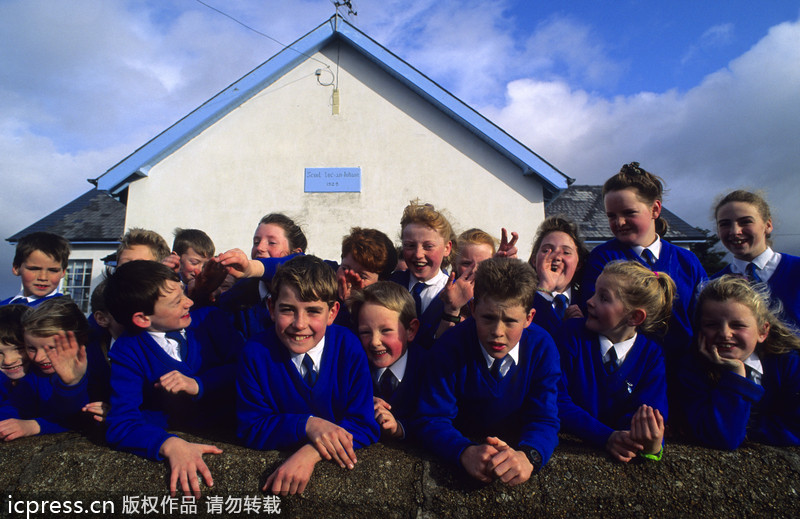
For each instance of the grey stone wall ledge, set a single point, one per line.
(393, 482)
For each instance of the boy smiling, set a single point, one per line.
(40, 261)
(494, 374)
(304, 384)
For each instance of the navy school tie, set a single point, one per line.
(752, 273)
(416, 291)
(560, 305)
(311, 376)
(181, 340)
(495, 370)
(613, 361)
(387, 384)
(649, 258)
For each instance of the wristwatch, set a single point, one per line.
(535, 458)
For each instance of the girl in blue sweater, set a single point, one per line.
(744, 226)
(613, 390)
(632, 200)
(744, 382)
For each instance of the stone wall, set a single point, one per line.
(690, 481)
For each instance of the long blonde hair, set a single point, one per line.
(640, 287)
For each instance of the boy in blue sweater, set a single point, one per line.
(164, 372)
(304, 384)
(40, 261)
(494, 374)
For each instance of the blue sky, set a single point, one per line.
(705, 94)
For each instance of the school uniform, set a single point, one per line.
(682, 266)
(547, 310)
(432, 304)
(55, 406)
(274, 401)
(598, 393)
(21, 299)
(781, 272)
(723, 414)
(141, 413)
(462, 402)
(403, 392)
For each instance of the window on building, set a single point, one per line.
(78, 282)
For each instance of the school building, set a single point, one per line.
(335, 131)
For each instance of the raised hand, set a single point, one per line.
(507, 249)
(68, 358)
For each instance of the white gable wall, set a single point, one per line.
(251, 162)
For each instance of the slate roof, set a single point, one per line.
(584, 205)
(139, 163)
(91, 218)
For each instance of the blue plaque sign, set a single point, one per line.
(333, 180)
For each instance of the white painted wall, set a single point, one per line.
(252, 162)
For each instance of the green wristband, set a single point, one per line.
(654, 457)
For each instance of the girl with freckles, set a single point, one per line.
(744, 226)
(743, 379)
(558, 257)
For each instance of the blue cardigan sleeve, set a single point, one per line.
(128, 430)
(717, 414)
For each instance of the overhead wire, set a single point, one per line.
(261, 33)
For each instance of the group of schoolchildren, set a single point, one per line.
(483, 366)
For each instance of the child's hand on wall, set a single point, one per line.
(294, 473)
(622, 446)
(185, 461)
(14, 428)
(332, 442)
(511, 466)
(647, 428)
(68, 358)
(476, 459)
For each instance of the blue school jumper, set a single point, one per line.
(724, 414)
(682, 266)
(406, 395)
(273, 402)
(593, 400)
(140, 413)
(55, 406)
(784, 285)
(461, 401)
(430, 318)
(24, 301)
(546, 316)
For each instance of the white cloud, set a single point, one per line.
(738, 128)
(716, 36)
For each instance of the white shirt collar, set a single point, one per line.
(551, 296)
(434, 286)
(755, 363)
(31, 299)
(654, 247)
(315, 353)
(398, 369)
(170, 347)
(621, 348)
(511, 358)
(767, 262)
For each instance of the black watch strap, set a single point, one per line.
(535, 458)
